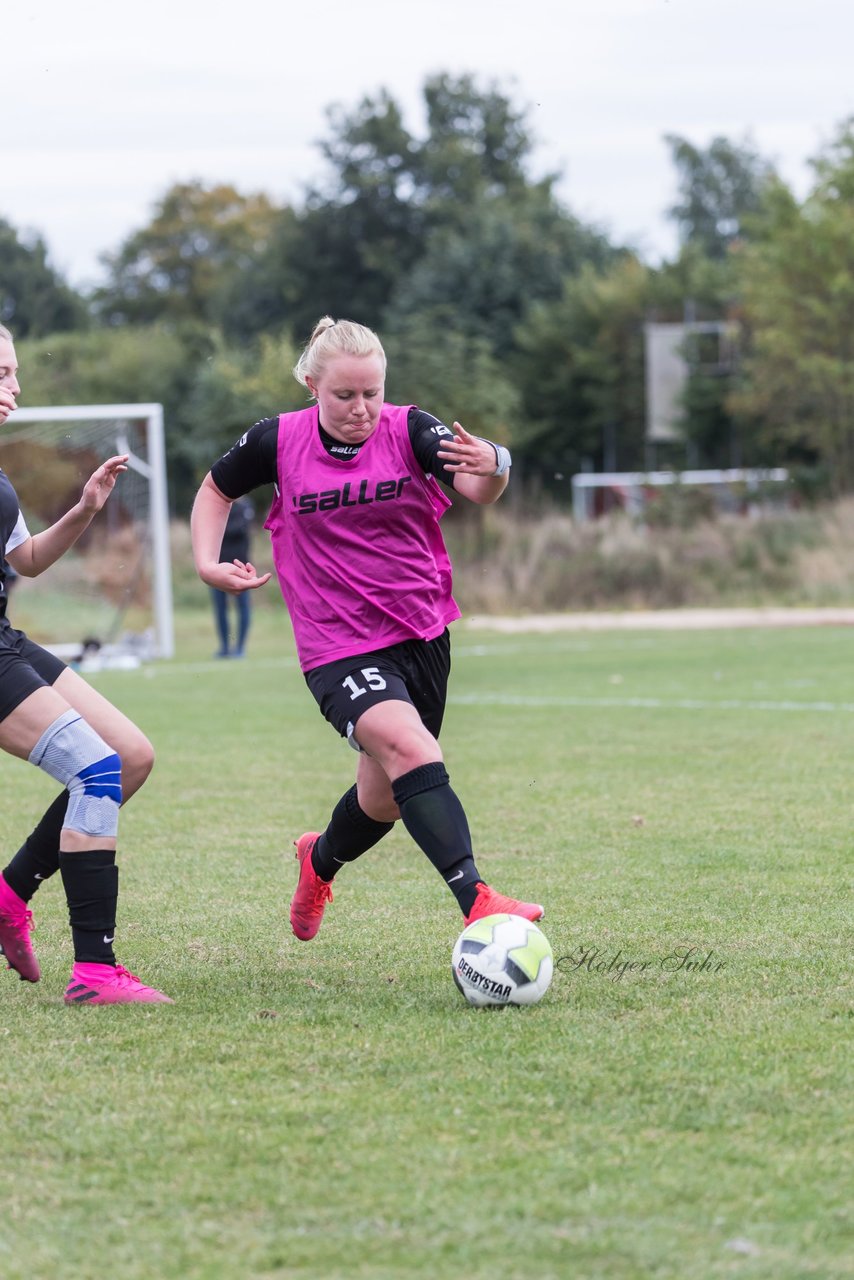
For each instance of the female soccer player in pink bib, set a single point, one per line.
(366, 578)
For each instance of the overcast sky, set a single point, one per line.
(106, 103)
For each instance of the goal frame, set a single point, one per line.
(154, 470)
(633, 483)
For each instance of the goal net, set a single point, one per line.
(108, 600)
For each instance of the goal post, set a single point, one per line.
(115, 585)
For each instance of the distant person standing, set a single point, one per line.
(236, 546)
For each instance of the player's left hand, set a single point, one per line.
(468, 454)
(101, 483)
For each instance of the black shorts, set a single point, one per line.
(24, 667)
(413, 671)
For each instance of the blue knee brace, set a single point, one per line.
(72, 752)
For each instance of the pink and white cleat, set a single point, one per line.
(109, 984)
(16, 925)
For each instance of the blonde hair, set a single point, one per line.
(336, 337)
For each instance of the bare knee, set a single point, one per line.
(137, 763)
(394, 741)
(373, 791)
(380, 809)
(400, 747)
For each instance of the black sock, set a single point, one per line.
(91, 880)
(350, 834)
(38, 857)
(434, 817)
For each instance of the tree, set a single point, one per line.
(798, 285)
(477, 144)
(346, 262)
(510, 252)
(183, 263)
(34, 299)
(362, 229)
(234, 387)
(143, 364)
(720, 187)
(260, 298)
(581, 369)
(420, 221)
(453, 373)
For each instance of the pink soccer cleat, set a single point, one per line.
(490, 903)
(312, 893)
(16, 925)
(109, 984)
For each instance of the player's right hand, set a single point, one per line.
(236, 577)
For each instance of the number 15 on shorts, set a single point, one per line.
(373, 680)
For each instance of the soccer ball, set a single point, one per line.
(502, 960)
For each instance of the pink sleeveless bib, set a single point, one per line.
(356, 543)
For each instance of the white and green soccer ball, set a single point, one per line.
(502, 960)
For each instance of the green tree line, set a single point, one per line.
(496, 305)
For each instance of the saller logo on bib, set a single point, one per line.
(349, 495)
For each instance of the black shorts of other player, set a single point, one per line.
(24, 667)
(413, 671)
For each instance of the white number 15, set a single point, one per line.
(373, 679)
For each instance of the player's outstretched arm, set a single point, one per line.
(473, 462)
(43, 549)
(207, 526)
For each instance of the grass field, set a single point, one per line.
(335, 1110)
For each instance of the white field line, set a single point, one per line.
(664, 620)
(645, 704)
(521, 700)
(154, 670)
